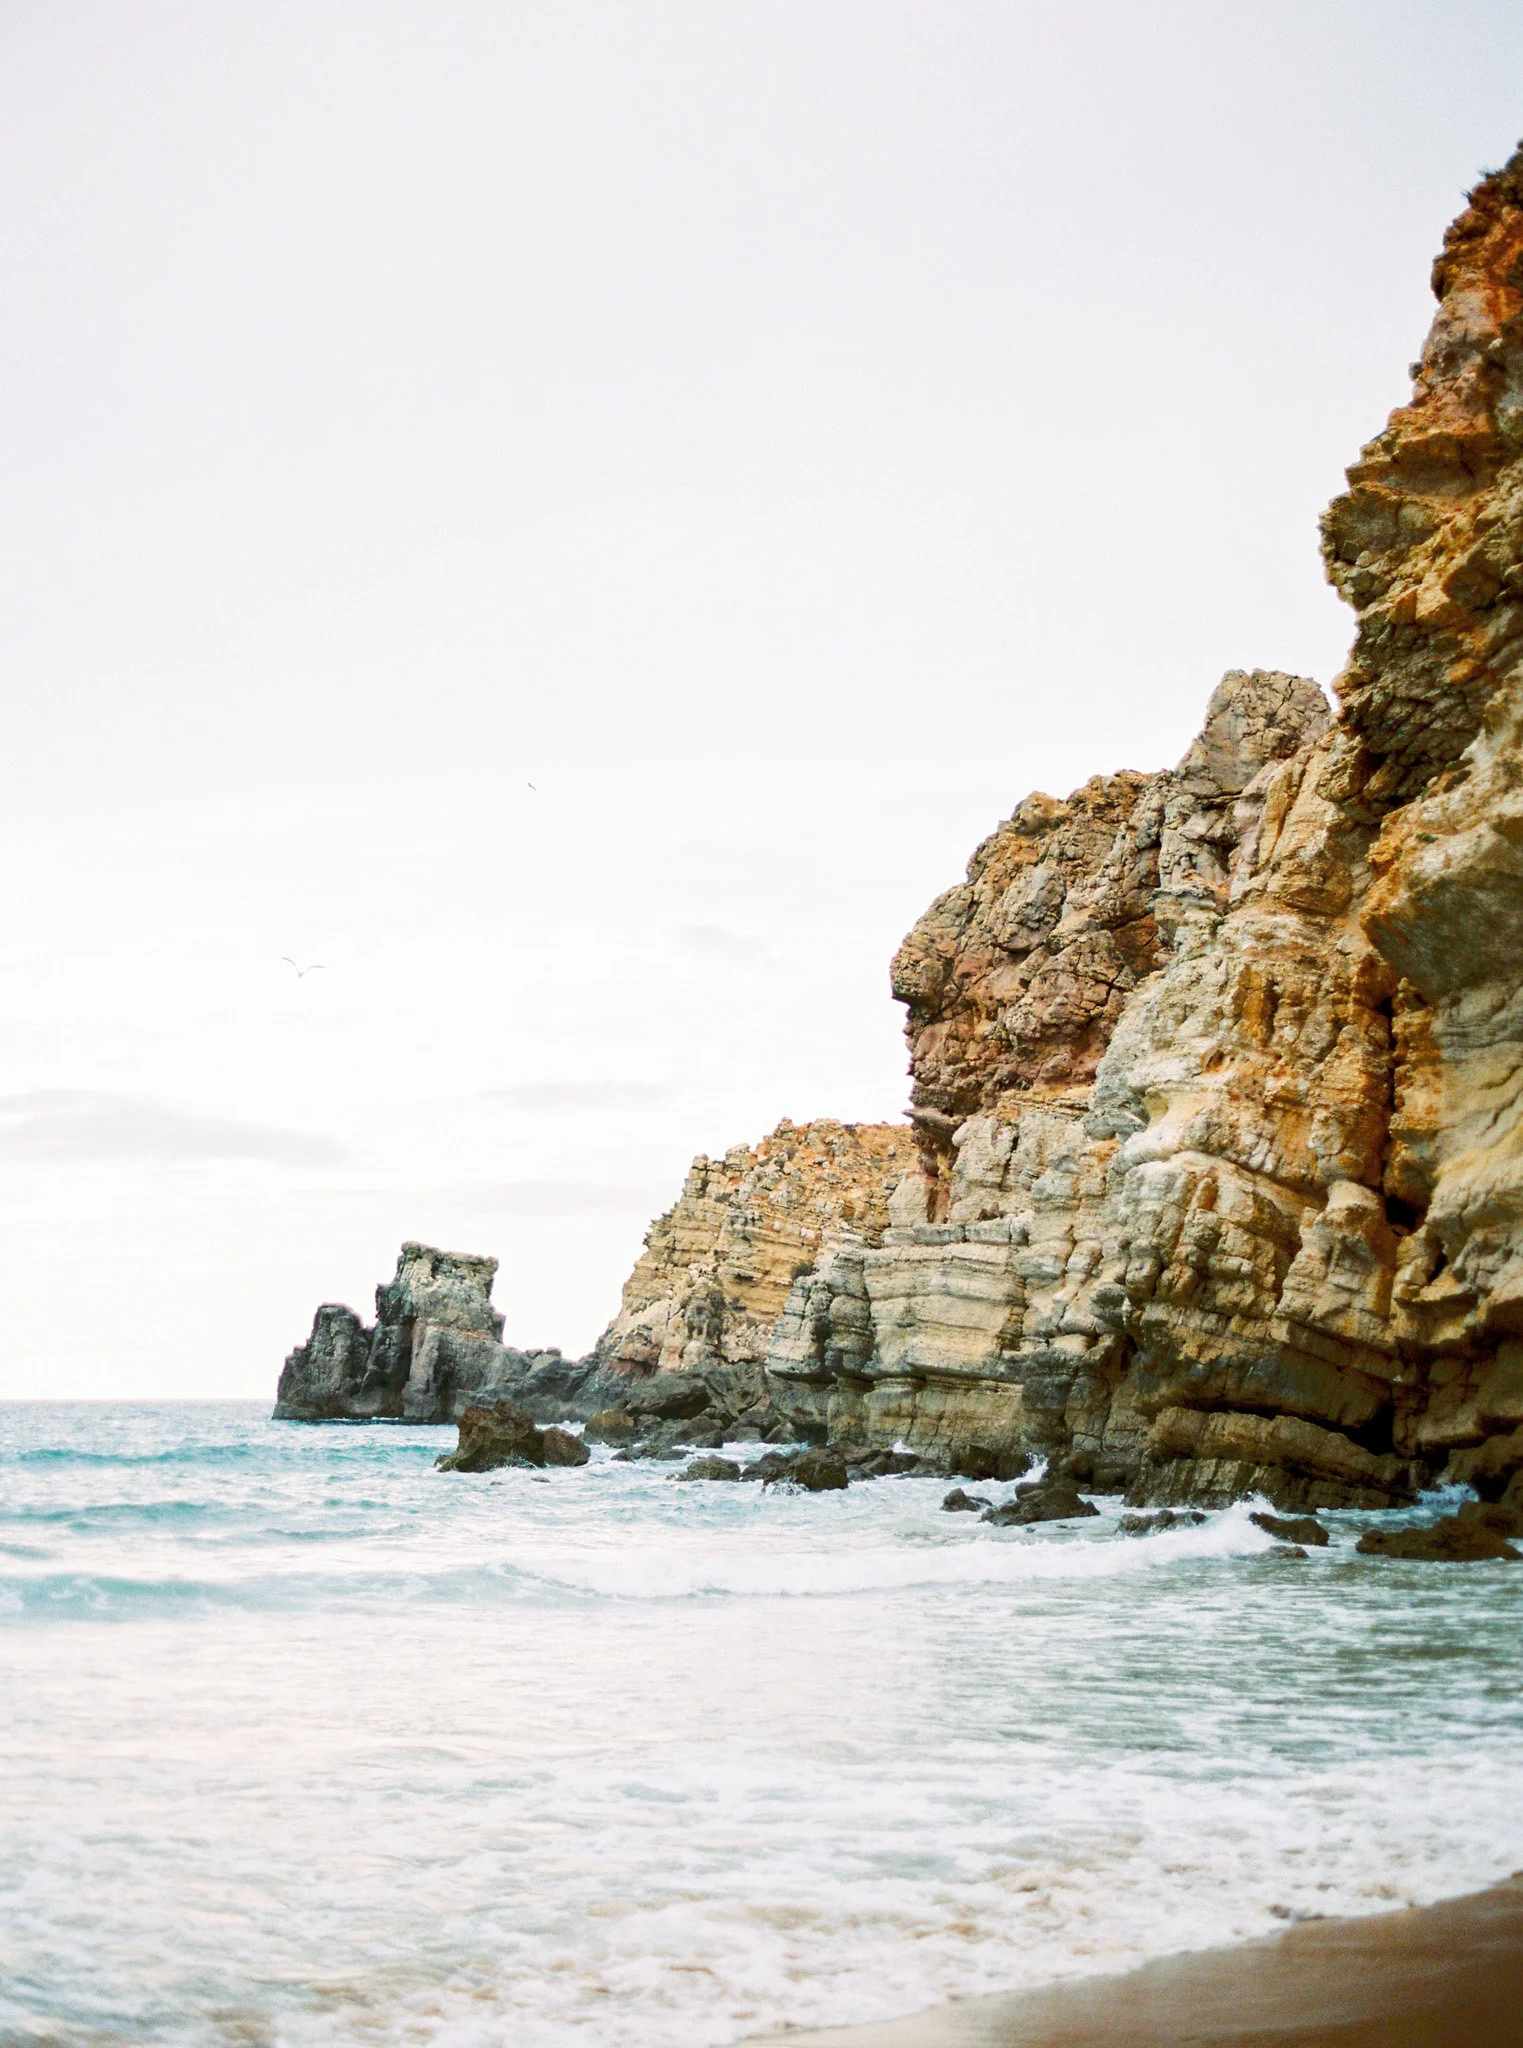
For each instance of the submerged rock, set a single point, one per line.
(880, 1464)
(505, 1435)
(959, 1503)
(560, 1447)
(989, 1461)
(816, 1471)
(769, 1466)
(1163, 1518)
(610, 1426)
(1044, 1500)
(1294, 1529)
(1450, 1541)
(1493, 1515)
(710, 1468)
(820, 1471)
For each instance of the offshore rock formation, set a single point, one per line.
(434, 1353)
(1218, 1073)
(505, 1435)
(434, 1349)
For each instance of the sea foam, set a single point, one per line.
(309, 1743)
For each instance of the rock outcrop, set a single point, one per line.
(505, 1435)
(1213, 1180)
(1016, 979)
(1449, 1541)
(1217, 1072)
(434, 1349)
(1162, 1240)
(1050, 1499)
(717, 1267)
(993, 1288)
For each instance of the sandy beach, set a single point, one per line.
(1445, 1976)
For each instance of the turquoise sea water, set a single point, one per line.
(305, 1743)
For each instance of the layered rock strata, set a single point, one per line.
(716, 1269)
(1172, 1255)
(434, 1349)
(1016, 979)
(1213, 1182)
(1217, 1073)
(434, 1353)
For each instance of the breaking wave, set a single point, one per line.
(307, 1742)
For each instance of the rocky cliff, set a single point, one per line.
(1016, 979)
(1217, 1072)
(717, 1267)
(1213, 1181)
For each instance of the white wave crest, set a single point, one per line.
(982, 1560)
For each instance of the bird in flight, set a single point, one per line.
(303, 972)
(531, 786)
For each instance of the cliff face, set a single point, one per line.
(1214, 1176)
(1217, 1072)
(717, 1267)
(1093, 1257)
(1015, 981)
(435, 1348)
(1428, 546)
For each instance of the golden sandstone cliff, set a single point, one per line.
(718, 1266)
(1217, 1173)
(1213, 1176)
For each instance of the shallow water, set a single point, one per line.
(306, 1743)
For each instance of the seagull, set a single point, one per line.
(530, 785)
(303, 972)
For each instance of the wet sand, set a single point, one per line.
(1446, 1976)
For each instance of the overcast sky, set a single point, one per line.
(781, 432)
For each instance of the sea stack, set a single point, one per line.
(434, 1349)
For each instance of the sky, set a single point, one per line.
(577, 516)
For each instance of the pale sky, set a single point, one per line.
(783, 432)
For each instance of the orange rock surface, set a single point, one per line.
(1217, 1071)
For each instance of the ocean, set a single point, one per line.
(305, 1743)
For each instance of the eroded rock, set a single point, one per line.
(505, 1435)
(1212, 1182)
(1044, 1500)
(1293, 1529)
(1449, 1541)
(609, 1426)
(1218, 1072)
(717, 1267)
(434, 1350)
(709, 1468)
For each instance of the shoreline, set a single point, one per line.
(1442, 1976)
